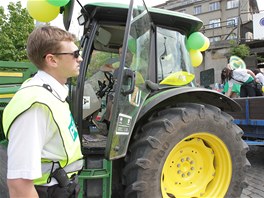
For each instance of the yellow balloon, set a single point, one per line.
(196, 57)
(206, 45)
(42, 11)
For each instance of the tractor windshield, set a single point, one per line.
(172, 55)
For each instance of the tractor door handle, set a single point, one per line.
(129, 76)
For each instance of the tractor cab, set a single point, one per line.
(127, 56)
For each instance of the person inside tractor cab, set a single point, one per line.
(102, 76)
(107, 76)
(128, 59)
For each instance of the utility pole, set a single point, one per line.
(239, 22)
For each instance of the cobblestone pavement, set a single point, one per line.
(255, 175)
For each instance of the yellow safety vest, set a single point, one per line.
(62, 117)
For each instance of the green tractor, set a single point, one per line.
(162, 138)
(146, 130)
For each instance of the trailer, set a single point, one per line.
(251, 119)
(12, 75)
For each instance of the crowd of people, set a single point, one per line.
(242, 82)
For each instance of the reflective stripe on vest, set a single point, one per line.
(24, 99)
(75, 166)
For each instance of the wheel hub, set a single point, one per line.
(191, 166)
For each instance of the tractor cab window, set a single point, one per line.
(139, 44)
(172, 54)
(99, 82)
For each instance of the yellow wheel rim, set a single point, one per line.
(198, 166)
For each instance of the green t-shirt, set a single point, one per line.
(235, 88)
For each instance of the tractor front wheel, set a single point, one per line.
(188, 151)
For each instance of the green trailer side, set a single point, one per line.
(12, 75)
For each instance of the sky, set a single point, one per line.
(148, 2)
(74, 28)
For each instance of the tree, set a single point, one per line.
(14, 30)
(241, 51)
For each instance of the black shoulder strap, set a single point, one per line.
(48, 87)
(238, 80)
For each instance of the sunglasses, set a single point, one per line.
(75, 54)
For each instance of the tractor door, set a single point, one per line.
(130, 88)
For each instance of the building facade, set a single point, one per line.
(224, 20)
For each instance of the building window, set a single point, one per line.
(232, 4)
(231, 22)
(214, 39)
(186, 2)
(197, 9)
(214, 6)
(215, 23)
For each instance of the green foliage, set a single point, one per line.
(260, 59)
(241, 51)
(99, 59)
(14, 30)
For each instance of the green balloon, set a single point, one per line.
(132, 45)
(196, 40)
(58, 2)
(187, 45)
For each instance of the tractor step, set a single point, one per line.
(96, 178)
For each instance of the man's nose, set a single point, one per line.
(80, 59)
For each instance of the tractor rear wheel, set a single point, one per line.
(190, 150)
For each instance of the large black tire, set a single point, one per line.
(3, 171)
(191, 150)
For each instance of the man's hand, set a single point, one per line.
(21, 188)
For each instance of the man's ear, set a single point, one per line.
(50, 60)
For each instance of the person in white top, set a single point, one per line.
(33, 135)
(259, 76)
(244, 77)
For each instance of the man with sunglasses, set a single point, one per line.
(44, 153)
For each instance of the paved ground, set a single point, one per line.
(255, 176)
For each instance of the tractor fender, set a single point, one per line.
(169, 97)
(163, 98)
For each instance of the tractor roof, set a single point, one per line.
(117, 13)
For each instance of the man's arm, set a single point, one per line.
(251, 73)
(24, 152)
(22, 188)
(229, 92)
